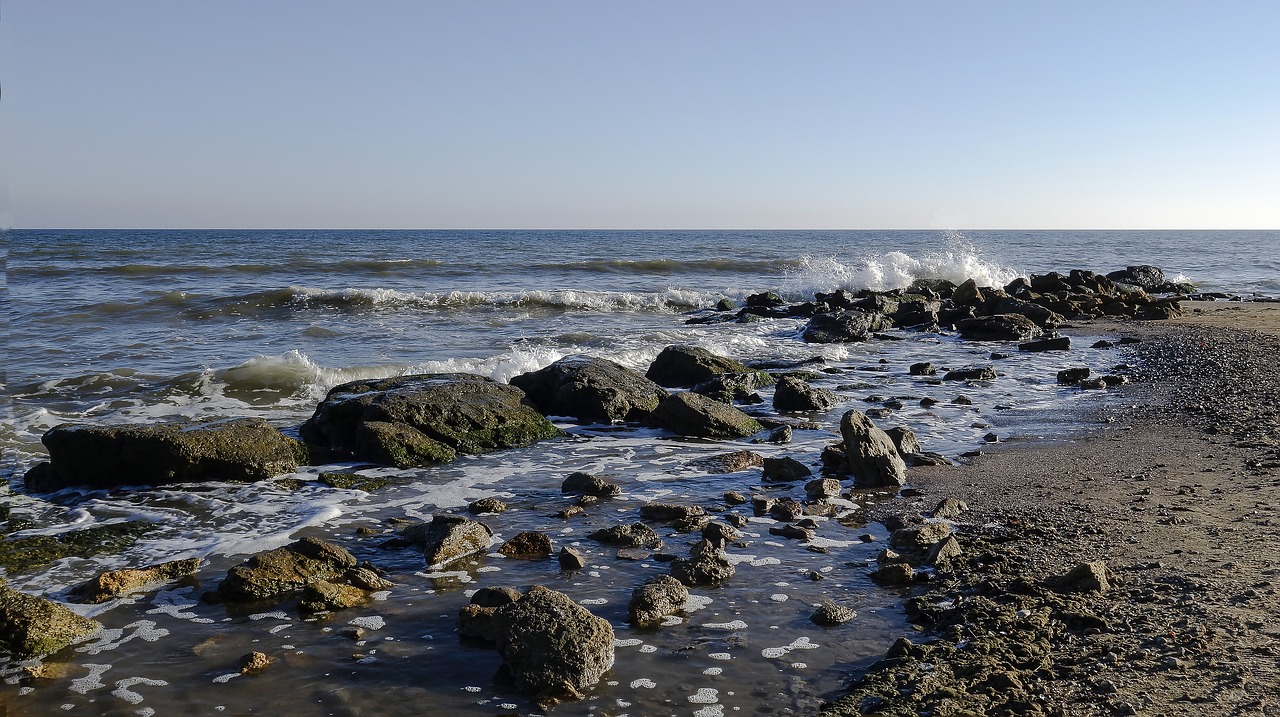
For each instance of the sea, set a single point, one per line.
(112, 327)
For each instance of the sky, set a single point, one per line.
(610, 114)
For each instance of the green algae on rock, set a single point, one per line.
(27, 553)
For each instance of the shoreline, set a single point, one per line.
(1174, 493)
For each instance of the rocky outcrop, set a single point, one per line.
(239, 449)
(431, 417)
(691, 414)
(660, 596)
(591, 390)
(553, 647)
(116, 583)
(1143, 276)
(31, 626)
(687, 366)
(706, 565)
(279, 572)
(844, 326)
(793, 394)
(449, 537)
(870, 455)
(635, 535)
(1001, 327)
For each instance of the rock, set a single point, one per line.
(733, 497)
(633, 554)
(1061, 343)
(1159, 310)
(324, 596)
(549, 642)
(1001, 327)
(962, 400)
(35, 551)
(950, 508)
(786, 509)
(668, 512)
(733, 387)
(971, 373)
(449, 537)
(254, 663)
(486, 505)
(967, 294)
(660, 596)
(729, 462)
(1072, 376)
(238, 449)
(1009, 306)
(894, 574)
(904, 439)
(31, 626)
(926, 458)
(785, 469)
(571, 559)
(1085, 577)
(1144, 276)
(793, 394)
(116, 583)
(707, 566)
(635, 535)
(592, 390)
(719, 535)
(821, 488)
(765, 298)
(844, 326)
(278, 572)
(793, 532)
(942, 551)
(685, 366)
(920, 536)
(367, 579)
(568, 513)
(588, 484)
(869, 453)
(463, 413)
(528, 545)
(923, 368)
(780, 434)
(691, 414)
(830, 614)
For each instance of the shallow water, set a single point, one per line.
(113, 327)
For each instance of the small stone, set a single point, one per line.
(571, 559)
(830, 614)
(588, 484)
(734, 498)
(568, 512)
(950, 508)
(253, 663)
(529, 545)
(486, 505)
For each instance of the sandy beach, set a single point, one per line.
(1175, 492)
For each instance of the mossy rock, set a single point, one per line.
(31, 626)
(356, 481)
(21, 554)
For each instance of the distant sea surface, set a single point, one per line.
(120, 326)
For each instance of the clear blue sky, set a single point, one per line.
(558, 114)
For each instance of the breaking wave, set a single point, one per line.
(956, 260)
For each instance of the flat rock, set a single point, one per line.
(116, 583)
(1001, 327)
(844, 326)
(784, 468)
(591, 390)
(691, 414)
(278, 572)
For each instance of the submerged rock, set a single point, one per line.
(592, 390)
(238, 449)
(431, 418)
(31, 626)
(115, 583)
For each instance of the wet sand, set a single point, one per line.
(1177, 492)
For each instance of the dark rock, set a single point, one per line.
(971, 373)
(869, 453)
(31, 626)
(1061, 343)
(592, 390)
(962, 400)
(668, 512)
(718, 535)
(691, 523)
(239, 449)
(367, 578)
(691, 414)
(765, 298)
(893, 574)
(30, 552)
(528, 545)
(926, 458)
(684, 366)
(1072, 376)
(1143, 276)
(399, 445)
(924, 368)
(1009, 306)
(794, 532)
(1159, 310)
(726, 305)
(829, 614)
(904, 439)
(324, 596)
(635, 535)
(449, 537)
(785, 509)
(117, 583)
(821, 488)
(1001, 327)
(793, 394)
(785, 469)
(707, 566)
(571, 559)
(468, 414)
(548, 641)
(732, 462)
(967, 294)
(844, 326)
(733, 387)
(278, 572)
(779, 434)
(659, 597)
(486, 505)
(588, 484)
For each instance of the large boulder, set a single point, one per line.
(1001, 327)
(844, 326)
(552, 646)
(870, 455)
(592, 390)
(692, 414)
(433, 416)
(794, 394)
(449, 537)
(31, 626)
(238, 449)
(1144, 276)
(686, 366)
(284, 570)
(1042, 316)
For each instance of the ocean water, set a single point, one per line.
(115, 326)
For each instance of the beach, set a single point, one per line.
(1175, 492)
